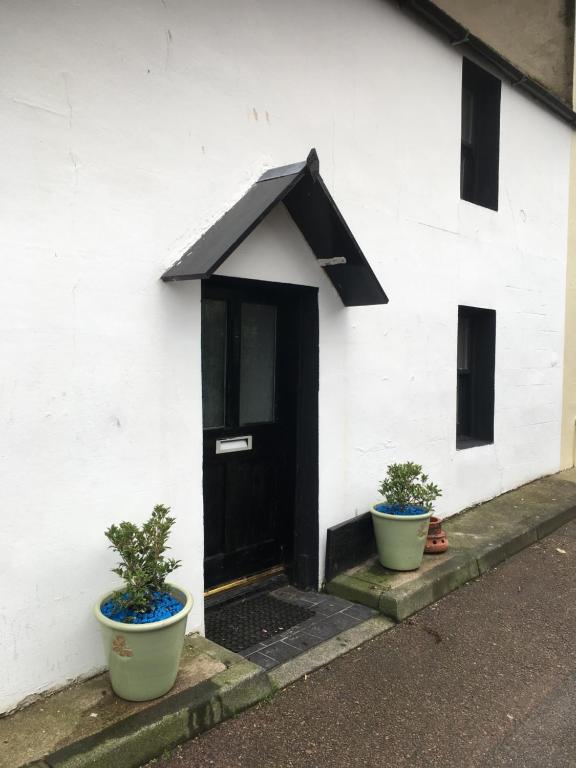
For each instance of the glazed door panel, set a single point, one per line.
(248, 397)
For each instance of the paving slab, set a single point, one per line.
(485, 678)
(330, 617)
(480, 538)
(86, 724)
(323, 654)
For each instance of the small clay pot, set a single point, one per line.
(436, 541)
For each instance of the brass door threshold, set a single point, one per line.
(238, 587)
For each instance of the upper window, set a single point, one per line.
(475, 376)
(480, 136)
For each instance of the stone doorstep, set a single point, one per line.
(214, 684)
(480, 538)
(86, 725)
(130, 734)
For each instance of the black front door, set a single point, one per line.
(249, 399)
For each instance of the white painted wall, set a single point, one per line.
(127, 129)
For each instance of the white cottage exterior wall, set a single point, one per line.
(129, 128)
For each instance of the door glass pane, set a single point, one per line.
(257, 363)
(463, 362)
(213, 362)
(467, 116)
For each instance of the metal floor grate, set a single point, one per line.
(244, 623)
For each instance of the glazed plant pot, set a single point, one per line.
(143, 659)
(400, 539)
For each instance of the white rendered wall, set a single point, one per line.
(128, 128)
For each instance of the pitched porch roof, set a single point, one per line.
(301, 189)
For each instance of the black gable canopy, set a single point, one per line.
(301, 189)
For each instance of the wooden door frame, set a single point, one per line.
(303, 568)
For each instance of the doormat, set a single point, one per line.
(244, 623)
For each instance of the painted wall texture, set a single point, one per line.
(536, 36)
(128, 129)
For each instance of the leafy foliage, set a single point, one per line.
(406, 485)
(143, 566)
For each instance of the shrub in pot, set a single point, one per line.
(401, 522)
(143, 624)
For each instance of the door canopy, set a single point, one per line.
(301, 189)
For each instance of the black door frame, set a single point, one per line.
(302, 571)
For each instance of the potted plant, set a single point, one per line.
(401, 523)
(143, 623)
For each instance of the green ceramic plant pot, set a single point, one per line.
(400, 539)
(143, 659)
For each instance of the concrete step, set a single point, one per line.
(87, 725)
(480, 538)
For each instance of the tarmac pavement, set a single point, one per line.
(485, 678)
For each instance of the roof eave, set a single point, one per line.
(460, 36)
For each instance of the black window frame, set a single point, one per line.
(475, 370)
(480, 136)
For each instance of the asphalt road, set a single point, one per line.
(485, 678)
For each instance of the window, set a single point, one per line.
(475, 376)
(238, 362)
(480, 146)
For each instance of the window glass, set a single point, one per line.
(464, 344)
(214, 332)
(467, 115)
(257, 363)
(480, 137)
(475, 376)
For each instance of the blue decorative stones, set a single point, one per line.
(164, 607)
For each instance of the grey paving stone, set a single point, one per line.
(332, 625)
(297, 629)
(262, 659)
(360, 612)
(286, 592)
(285, 645)
(298, 597)
(326, 651)
(303, 641)
(313, 598)
(282, 652)
(252, 649)
(278, 637)
(332, 605)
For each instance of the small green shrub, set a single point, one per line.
(143, 566)
(406, 485)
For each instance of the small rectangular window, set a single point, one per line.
(214, 340)
(257, 363)
(480, 145)
(475, 360)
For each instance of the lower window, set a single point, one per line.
(475, 376)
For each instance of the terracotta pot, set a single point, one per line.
(436, 540)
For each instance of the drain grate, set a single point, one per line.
(244, 623)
